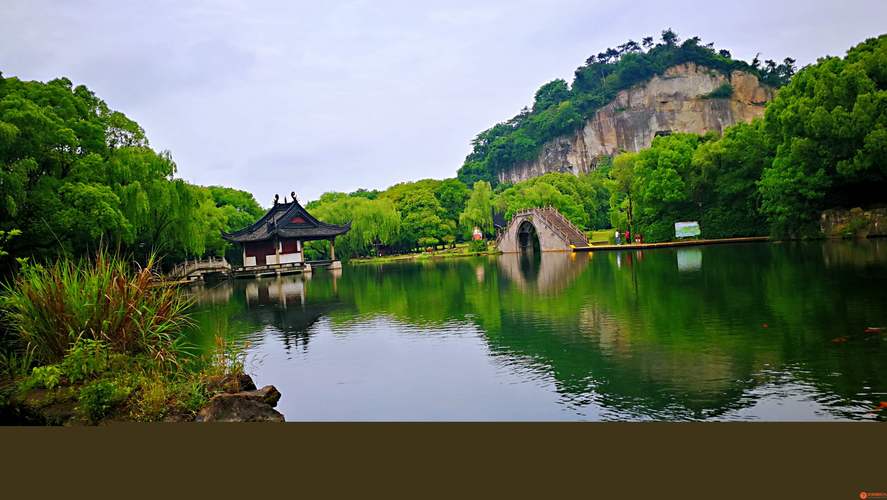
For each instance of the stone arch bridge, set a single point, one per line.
(547, 226)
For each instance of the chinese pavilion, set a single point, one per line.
(274, 242)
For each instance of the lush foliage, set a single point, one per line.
(479, 209)
(75, 174)
(821, 145)
(829, 131)
(372, 221)
(106, 336)
(406, 216)
(46, 309)
(581, 199)
(559, 109)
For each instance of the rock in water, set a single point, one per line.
(231, 383)
(239, 407)
(268, 395)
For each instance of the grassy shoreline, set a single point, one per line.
(91, 341)
(461, 250)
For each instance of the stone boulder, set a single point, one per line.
(241, 407)
(268, 395)
(231, 383)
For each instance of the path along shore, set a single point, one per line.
(683, 243)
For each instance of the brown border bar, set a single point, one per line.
(456, 460)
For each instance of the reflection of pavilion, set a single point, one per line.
(282, 302)
(282, 290)
(547, 272)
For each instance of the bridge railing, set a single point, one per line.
(540, 211)
(566, 221)
(210, 264)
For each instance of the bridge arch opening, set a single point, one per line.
(527, 238)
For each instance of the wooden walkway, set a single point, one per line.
(683, 243)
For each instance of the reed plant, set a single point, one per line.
(48, 308)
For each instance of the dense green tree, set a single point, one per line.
(240, 207)
(550, 94)
(75, 174)
(726, 172)
(452, 195)
(423, 224)
(829, 127)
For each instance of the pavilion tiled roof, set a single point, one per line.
(287, 220)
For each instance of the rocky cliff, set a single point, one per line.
(676, 101)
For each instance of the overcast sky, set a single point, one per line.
(276, 96)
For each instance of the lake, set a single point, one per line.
(756, 331)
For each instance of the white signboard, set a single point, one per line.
(686, 229)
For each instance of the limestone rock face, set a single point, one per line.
(672, 102)
(853, 223)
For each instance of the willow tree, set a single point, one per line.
(622, 190)
(372, 222)
(479, 208)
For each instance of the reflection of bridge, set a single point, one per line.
(545, 228)
(546, 273)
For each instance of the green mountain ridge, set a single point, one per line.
(560, 108)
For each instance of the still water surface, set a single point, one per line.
(728, 332)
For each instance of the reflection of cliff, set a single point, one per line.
(598, 358)
(652, 334)
(859, 253)
(545, 272)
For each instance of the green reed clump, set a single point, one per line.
(47, 308)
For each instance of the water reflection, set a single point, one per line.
(616, 335)
(545, 272)
(689, 259)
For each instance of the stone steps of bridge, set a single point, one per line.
(573, 236)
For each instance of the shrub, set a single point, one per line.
(15, 364)
(47, 309)
(86, 359)
(98, 398)
(722, 92)
(477, 246)
(44, 376)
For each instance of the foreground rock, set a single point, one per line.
(241, 402)
(236, 399)
(231, 383)
(238, 407)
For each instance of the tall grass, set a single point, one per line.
(47, 308)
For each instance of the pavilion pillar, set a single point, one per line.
(333, 249)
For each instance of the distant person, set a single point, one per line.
(618, 239)
(628, 236)
(638, 239)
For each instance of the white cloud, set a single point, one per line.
(316, 96)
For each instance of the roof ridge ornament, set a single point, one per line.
(276, 198)
(293, 193)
